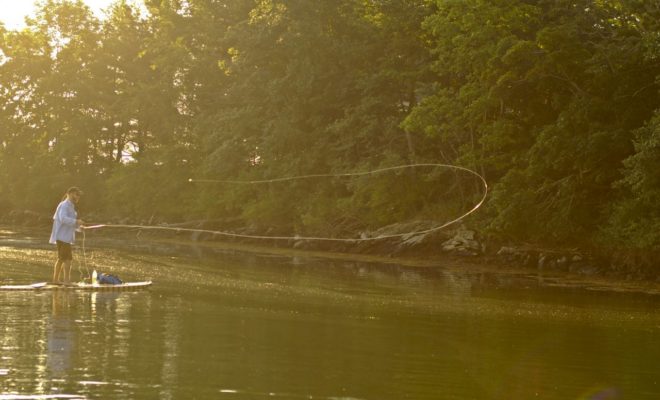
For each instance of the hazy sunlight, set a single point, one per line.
(13, 14)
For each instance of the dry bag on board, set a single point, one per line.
(107, 279)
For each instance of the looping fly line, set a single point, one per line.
(312, 238)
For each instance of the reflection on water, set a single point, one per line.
(171, 333)
(61, 336)
(222, 324)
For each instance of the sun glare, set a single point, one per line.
(13, 13)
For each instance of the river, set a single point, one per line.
(227, 324)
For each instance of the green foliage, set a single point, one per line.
(552, 101)
(635, 218)
(149, 194)
(542, 97)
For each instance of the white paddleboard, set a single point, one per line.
(79, 286)
(33, 286)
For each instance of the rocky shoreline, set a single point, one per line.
(416, 240)
(464, 242)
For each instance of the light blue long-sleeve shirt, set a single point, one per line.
(64, 223)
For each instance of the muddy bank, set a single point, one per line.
(414, 244)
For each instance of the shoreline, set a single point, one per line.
(410, 258)
(446, 262)
(486, 264)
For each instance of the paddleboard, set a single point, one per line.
(33, 286)
(80, 286)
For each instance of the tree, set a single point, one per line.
(542, 97)
(636, 216)
(47, 84)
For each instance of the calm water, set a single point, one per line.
(231, 325)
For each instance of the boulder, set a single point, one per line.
(463, 243)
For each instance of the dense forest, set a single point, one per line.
(555, 102)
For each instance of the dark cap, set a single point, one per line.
(74, 189)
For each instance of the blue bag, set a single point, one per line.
(107, 279)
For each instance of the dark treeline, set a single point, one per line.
(555, 102)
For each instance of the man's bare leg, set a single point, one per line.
(66, 269)
(57, 271)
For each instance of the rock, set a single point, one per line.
(511, 253)
(466, 235)
(562, 262)
(587, 270)
(463, 243)
(542, 261)
(449, 246)
(413, 240)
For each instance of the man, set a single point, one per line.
(65, 223)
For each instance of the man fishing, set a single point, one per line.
(65, 224)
